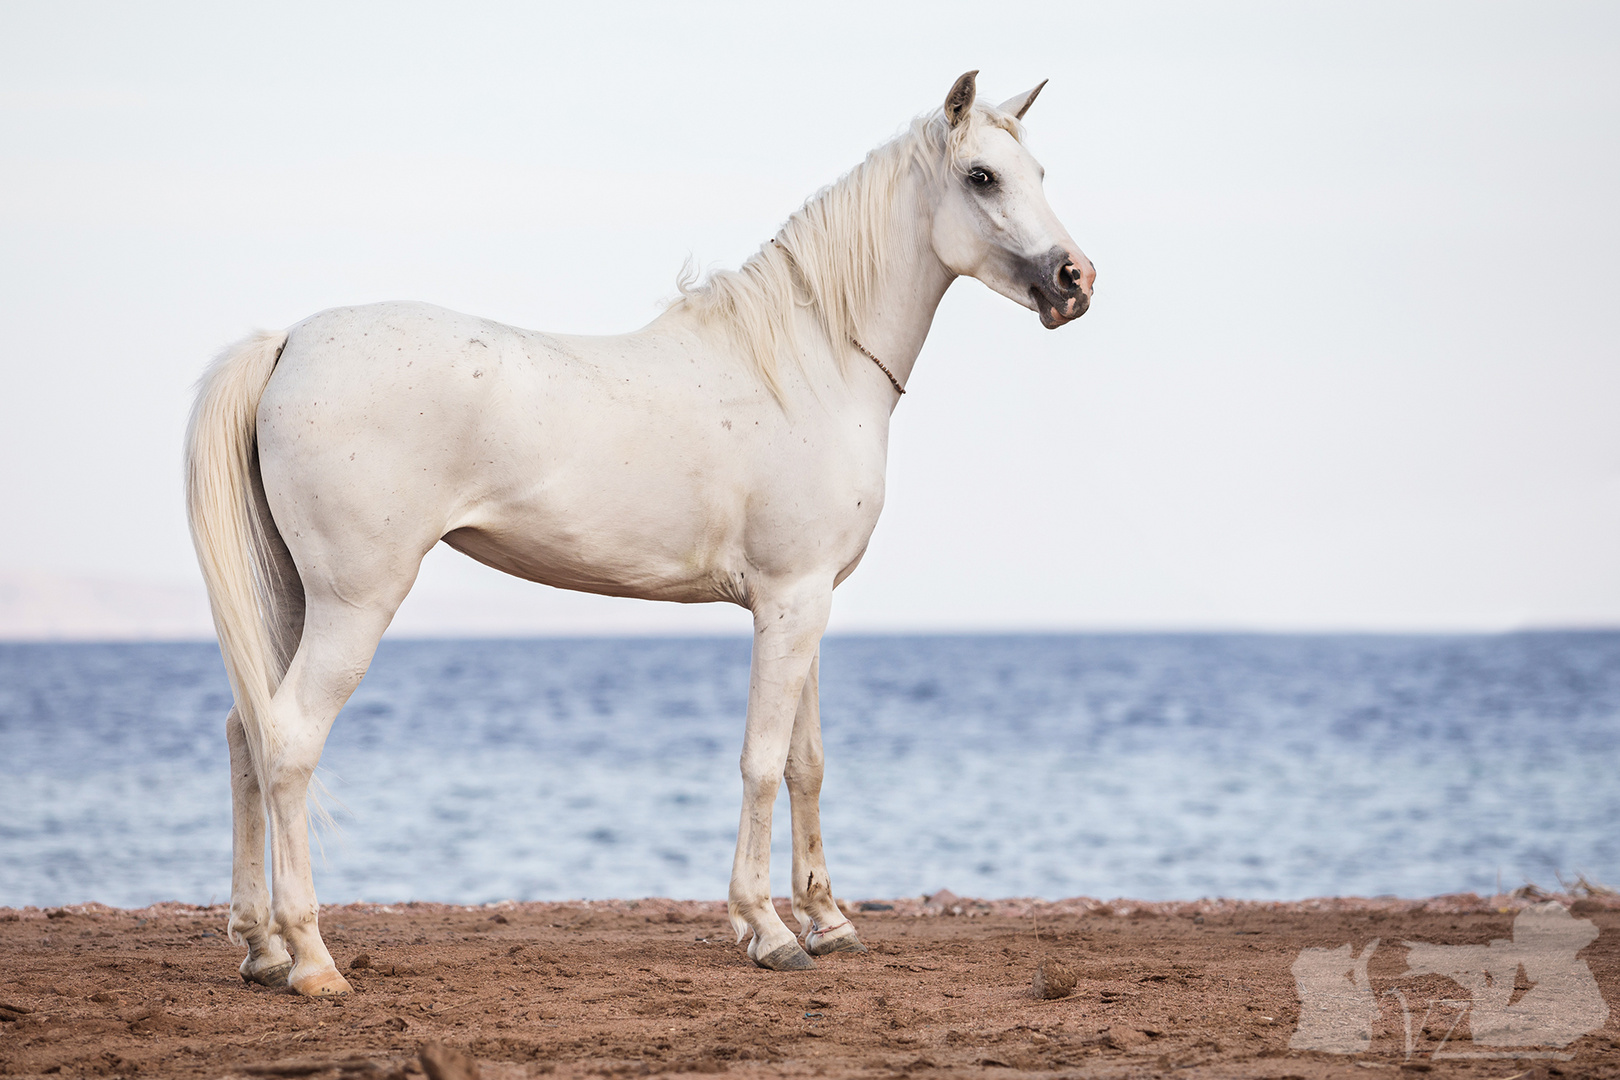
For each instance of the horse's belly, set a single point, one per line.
(616, 565)
(689, 518)
(621, 523)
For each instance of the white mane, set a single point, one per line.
(831, 255)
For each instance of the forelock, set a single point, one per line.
(951, 142)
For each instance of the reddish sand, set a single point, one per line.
(654, 986)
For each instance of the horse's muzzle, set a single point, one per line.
(1062, 289)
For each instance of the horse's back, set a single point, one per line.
(400, 351)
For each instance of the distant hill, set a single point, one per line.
(37, 606)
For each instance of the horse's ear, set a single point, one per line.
(1019, 104)
(960, 99)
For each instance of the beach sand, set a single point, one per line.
(632, 988)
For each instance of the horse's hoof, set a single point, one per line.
(322, 983)
(787, 957)
(274, 977)
(824, 946)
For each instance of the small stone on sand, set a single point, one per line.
(1053, 980)
(362, 960)
(442, 1062)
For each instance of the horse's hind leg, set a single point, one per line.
(826, 930)
(267, 962)
(340, 636)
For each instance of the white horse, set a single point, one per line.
(733, 449)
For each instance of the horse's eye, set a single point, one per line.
(981, 177)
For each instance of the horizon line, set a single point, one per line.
(706, 634)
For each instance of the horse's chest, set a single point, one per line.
(816, 498)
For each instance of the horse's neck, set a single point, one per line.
(915, 282)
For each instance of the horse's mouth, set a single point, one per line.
(1056, 313)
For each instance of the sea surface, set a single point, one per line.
(1149, 766)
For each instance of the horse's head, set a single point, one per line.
(991, 218)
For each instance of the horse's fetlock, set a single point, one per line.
(293, 919)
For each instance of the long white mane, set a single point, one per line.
(831, 255)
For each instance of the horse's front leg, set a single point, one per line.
(826, 929)
(788, 622)
(267, 961)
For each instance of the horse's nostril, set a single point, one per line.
(1068, 277)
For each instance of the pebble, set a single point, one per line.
(1053, 980)
(442, 1062)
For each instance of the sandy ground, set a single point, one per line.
(632, 988)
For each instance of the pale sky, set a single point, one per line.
(1352, 361)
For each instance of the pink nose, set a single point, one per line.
(1061, 291)
(1076, 274)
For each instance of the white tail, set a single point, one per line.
(239, 548)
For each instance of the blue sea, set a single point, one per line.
(1149, 766)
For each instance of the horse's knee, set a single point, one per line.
(805, 771)
(761, 779)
